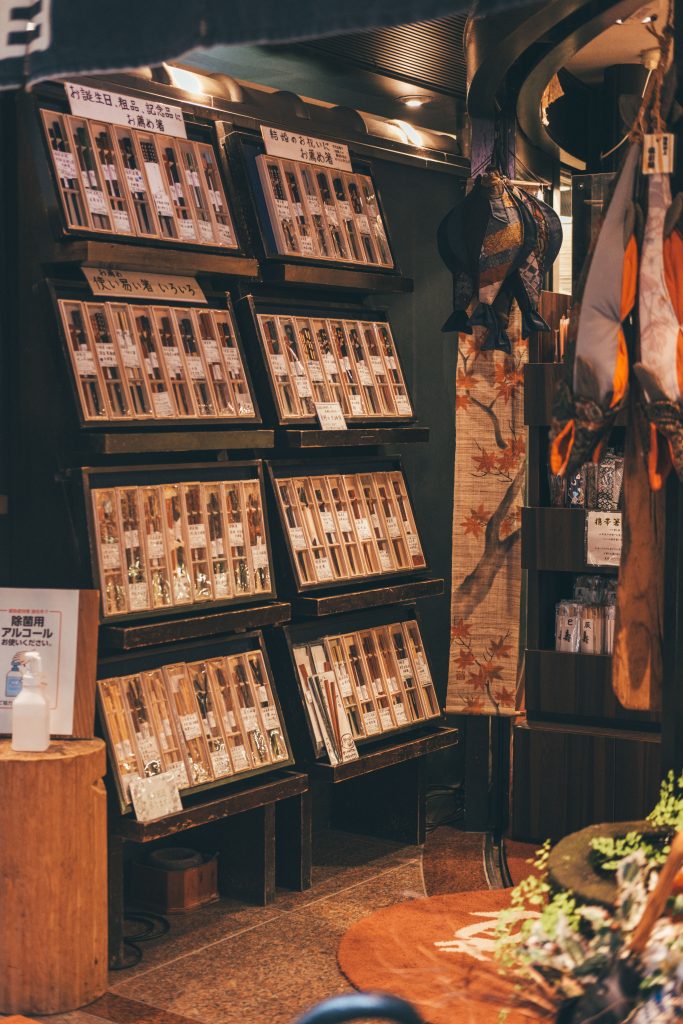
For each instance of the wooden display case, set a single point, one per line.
(326, 352)
(363, 668)
(303, 216)
(177, 538)
(344, 523)
(153, 367)
(207, 711)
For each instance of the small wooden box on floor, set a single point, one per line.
(53, 824)
(175, 892)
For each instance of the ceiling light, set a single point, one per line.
(185, 80)
(413, 101)
(410, 134)
(619, 21)
(648, 19)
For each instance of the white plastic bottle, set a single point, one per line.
(30, 711)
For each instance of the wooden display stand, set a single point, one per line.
(383, 793)
(53, 939)
(244, 824)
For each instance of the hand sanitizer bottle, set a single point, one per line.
(30, 712)
(13, 679)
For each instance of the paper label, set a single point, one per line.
(126, 283)
(403, 406)
(131, 538)
(220, 763)
(304, 148)
(240, 761)
(190, 725)
(138, 598)
(121, 221)
(65, 164)
(603, 538)
(186, 229)
(423, 673)
(236, 534)
(136, 182)
(400, 713)
(315, 371)
(148, 749)
(364, 375)
(111, 556)
(124, 109)
(173, 361)
(405, 668)
(327, 520)
(658, 153)
(259, 556)
(129, 353)
(414, 546)
(279, 364)
(330, 364)
(196, 368)
(155, 545)
(96, 203)
(106, 354)
(385, 560)
(155, 797)
(344, 521)
(356, 403)
(211, 352)
(377, 366)
(249, 719)
(270, 717)
(179, 772)
(197, 535)
(162, 404)
(221, 584)
(234, 362)
(303, 388)
(205, 231)
(371, 723)
(332, 215)
(364, 223)
(393, 527)
(323, 569)
(363, 529)
(85, 364)
(330, 416)
(385, 718)
(224, 234)
(297, 538)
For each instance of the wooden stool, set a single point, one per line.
(53, 862)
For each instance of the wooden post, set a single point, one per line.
(53, 859)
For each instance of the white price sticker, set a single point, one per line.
(162, 404)
(190, 725)
(330, 416)
(65, 164)
(197, 535)
(85, 363)
(111, 556)
(106, 353)
(96, 202)
(236, 534)
(249, 719)
(155, 545)
(298, 538)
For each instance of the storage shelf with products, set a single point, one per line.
(210, 716)
(149, 365)
(310, 213)
(172, 538)
(573, 714)
(360, 678)
(343, 523)
(326, 354)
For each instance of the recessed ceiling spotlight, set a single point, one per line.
(619, 21)
(413, 101)
(648, 19)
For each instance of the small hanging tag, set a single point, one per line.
(658, 153)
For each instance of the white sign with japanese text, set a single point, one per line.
(108, 281)
(331, 416)
(310, 150)
(603, 538)
(131, 111)
(44, 622)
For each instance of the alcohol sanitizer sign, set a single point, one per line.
(43, 622)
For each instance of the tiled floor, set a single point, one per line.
(261, 965)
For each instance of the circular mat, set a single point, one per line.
(438, 954)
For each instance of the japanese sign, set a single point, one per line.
(44, 622)
(115, 108)
(155, 797)
(108, 281)
(658, 153)
(331, 416)
(603, 538)
(295, 146)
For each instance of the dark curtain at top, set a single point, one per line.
(55, 38)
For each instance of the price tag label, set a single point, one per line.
(155, 797)
(330, 416)
(603, 538)
(658, 153)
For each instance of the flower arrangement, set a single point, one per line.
(560, 949)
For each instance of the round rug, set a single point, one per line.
(438, 954)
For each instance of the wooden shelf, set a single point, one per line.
(162, 258)
(129, 637)
(334, 277)
(553, 539)
(152, 441)
(353, 437)
(384, 755)
(539, 388)
(316, 605)
(242, 797)
(576, 687)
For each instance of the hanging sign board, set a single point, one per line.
(60, 626)
(106, 282)
(603, 538)
(310, 150)
(129, 111)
